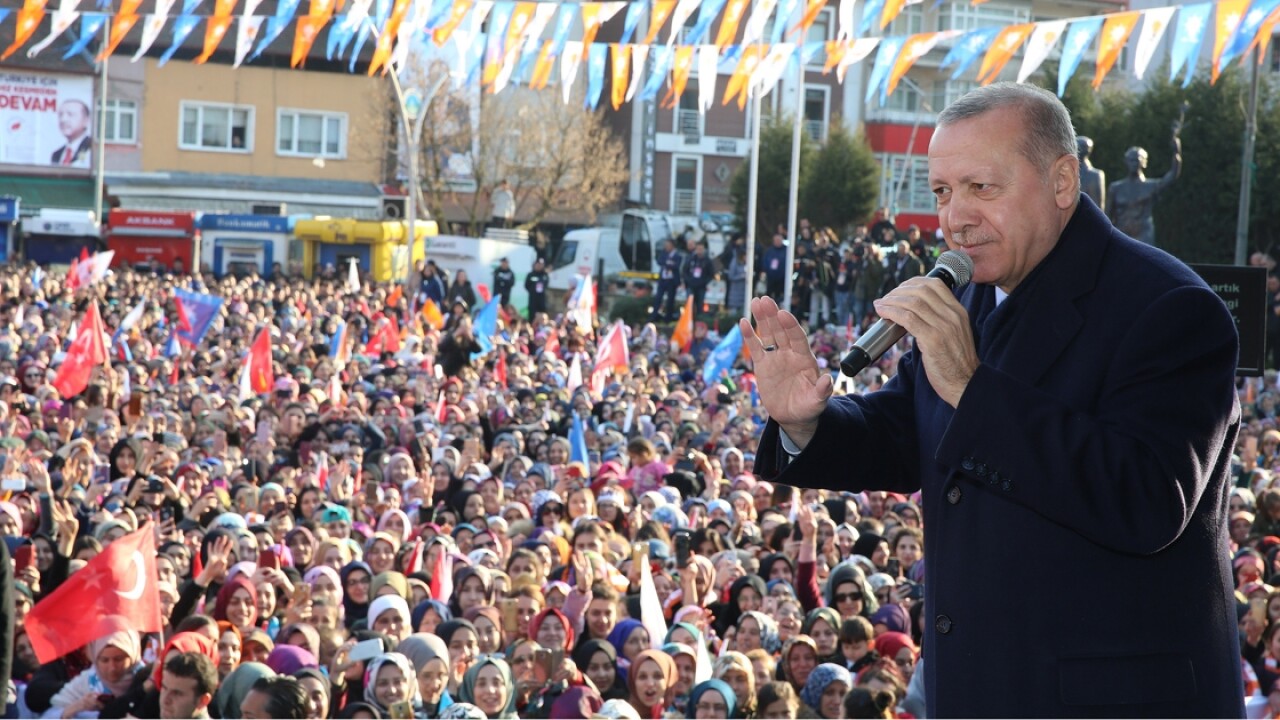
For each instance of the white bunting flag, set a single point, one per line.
(1154, 23)
(1039, 46)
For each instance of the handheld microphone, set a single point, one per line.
(953, 268)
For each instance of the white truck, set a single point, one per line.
(628, 244)
(480, 256)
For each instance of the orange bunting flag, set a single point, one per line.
(1263, 38)
(1115, 33)
(223, 8)
(120, 26)
(386, 41)
(1001, 50)
(835, 53)
(308, 29)
(733, 12)
(658, 16)
(891, 10)
(456, 16)
(913, 49)
(679, 75)
(542, 69)
(683, 335)
(1229, 15)
(431, 314)
(393, 298)
(213, 34)
(519, 24)
(29, 18)
(590, 22)
(811, 11)
(621, 73)
(740, 80)
(321, 9)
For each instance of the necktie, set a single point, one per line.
(66, 155)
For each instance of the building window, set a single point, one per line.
(817, 101)
(121, 123)
(904, 184)
(688, 116)
(963, 16)
(226, 128)
(685, 195)
(311, 134)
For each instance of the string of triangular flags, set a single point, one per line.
(497, 42)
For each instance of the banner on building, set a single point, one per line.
(46, 119)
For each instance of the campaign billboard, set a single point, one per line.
(46, 120)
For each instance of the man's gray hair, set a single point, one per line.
(1049, 134)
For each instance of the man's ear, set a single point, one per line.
(203, 701)
(1065, 176)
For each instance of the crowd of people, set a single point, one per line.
(423, 533)
(299, 531)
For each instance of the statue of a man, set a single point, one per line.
(1129, 201)
(1093, 182)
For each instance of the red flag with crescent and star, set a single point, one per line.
(117, 590)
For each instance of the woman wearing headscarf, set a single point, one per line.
(488, 622)
(472, 587)
(552, 629)
(430, 658)
(711, 699)
(848, 591)
(823, 625)
(237, 603)
(757, 630)
(799, 658)
(489, 686)
(824, 690)
(652, 683)
(357, 591)
(462, 640)
(745, 594)
(736, 671)
(389, 615)
(432, 612)
(628, 637)
(233, 689)
(598, 660)
(319, 693)
(115, 659)
(396, 581)
(325, 583)
(388, 679)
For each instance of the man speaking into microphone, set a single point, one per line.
(1068, 417)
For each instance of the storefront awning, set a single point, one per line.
(49, 192)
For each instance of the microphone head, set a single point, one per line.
(958, 264)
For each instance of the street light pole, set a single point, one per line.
(413, 111)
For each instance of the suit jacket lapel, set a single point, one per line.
(1048, 318)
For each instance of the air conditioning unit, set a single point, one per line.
(279, 209)
(393, 208)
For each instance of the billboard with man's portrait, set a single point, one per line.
(46, 120)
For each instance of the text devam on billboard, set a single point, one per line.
(47, 120)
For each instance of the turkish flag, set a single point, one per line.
(612, 354)
(117, 590)
(73, 275)
(261, 375)
(256, 374)
(86, 351)
(500, 369)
